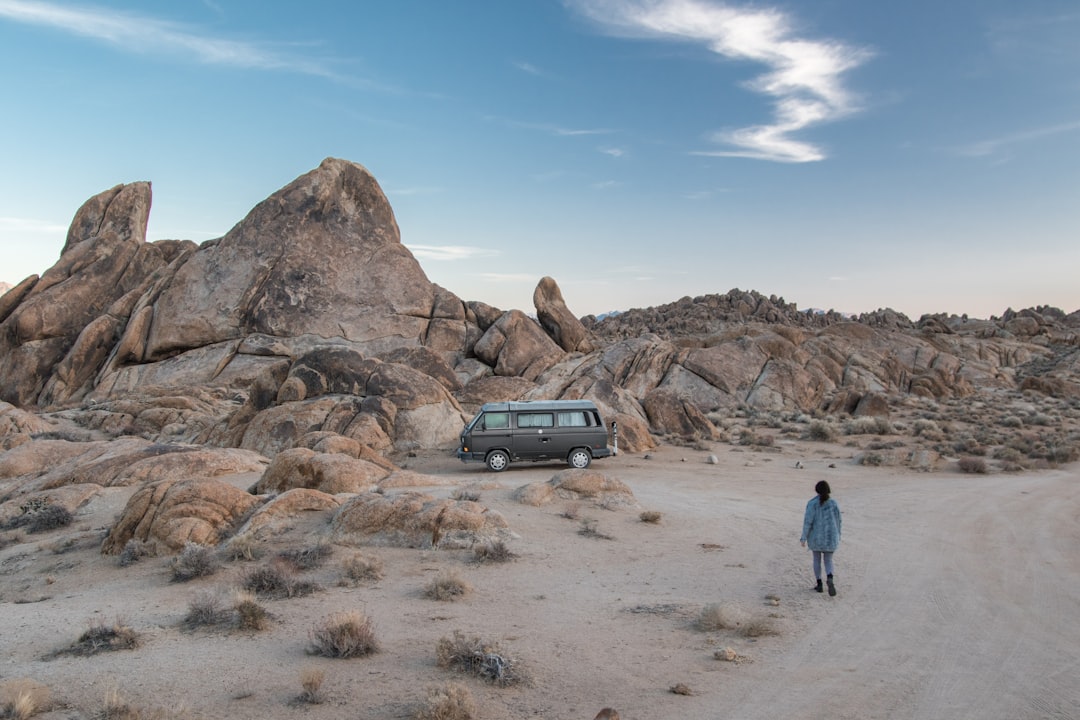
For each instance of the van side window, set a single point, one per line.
(577, 418)
(541, 420)
(496, 421)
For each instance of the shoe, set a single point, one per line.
(819, 588)
(832, 588)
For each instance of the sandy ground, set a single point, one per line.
(959, 597)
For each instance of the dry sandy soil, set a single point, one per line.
(959, 597)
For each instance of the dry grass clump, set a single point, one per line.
(571, 511)
(650, 516)
(716, 616)
(41, 516)
(116, 707)
(868, 425)
(194, 561)
(311, 680)
(472, 655)
(277, 582)
(307, 558)
(821, 431)
(250, 615)
(973, 465)
(447, 585)
(758, 627)
(134, 551)
(448, 702)
(206, 609)
(872, 459)
(243, 547)
(103, 637)
(493, 552)
(22, 698)
(588, 529)
(467, 495)
(344, 635)
(361, 568)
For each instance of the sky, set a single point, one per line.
(841, 154)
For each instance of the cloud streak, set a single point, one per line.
(148, 35)
(994, 146)
(803, 76)
(449, 252)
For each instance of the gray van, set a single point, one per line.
(565, 430)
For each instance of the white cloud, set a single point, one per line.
(528, 68)
(993, 146)
(804, 76)
(606, 184)
(550, 129)
(510, 277)
(612, 151)
(138, 33)
(449, 252)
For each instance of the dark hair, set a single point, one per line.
(823, 490)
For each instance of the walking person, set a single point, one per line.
(821, 531)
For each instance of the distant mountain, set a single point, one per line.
(4, 287)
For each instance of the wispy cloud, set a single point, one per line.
(416, 190)
(30, 226)
(612, 151)
(606, 185)
(509, 277)
(550, 129)
(803, 76)
(995, 146)
(529, 68)
(138, 33)
(449, 252)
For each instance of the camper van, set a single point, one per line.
(564, 430)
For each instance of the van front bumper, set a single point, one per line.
(469, 456)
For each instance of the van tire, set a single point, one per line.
(579, 458)
(497, 460)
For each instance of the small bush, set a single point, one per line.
(102, 637)
(466, 495)
(40, 516)
(307, 558)
(758, 627)
(205, 609)
(448, 585)
(872, 459)
(194, 561)
(477, 657)
(650, 516)
(276, 582)
(1011, 421)
(821, 431)
(571, 511)
(448, 702)
(360, 568)
(493, 552)
(22, 699)
(242, 547)
(134, 551)
(311, 680)
(588, 529)
(250, 615)
(344, 635)
(973, 465)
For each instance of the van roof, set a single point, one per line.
(527, 405)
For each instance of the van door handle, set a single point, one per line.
(545, 439)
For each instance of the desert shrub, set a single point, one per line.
(103, 637)
(973, 465)
(250, 615)
(447, 585)
(821, 431)
(1008, 454)
(277, 582)
(1041, 419)
(359, 568)
(474, 656)
(448, 702)
(22, 698)
(968, 446)
(872, 459)
(134, 551)
(242, 547)
(868, 425)
(116, 707)
(650, 516)
(926, 428)
(588, 529)
(1011, 421)
(715, 616)
(749, 437)
(307, 558)
(466, 495)
(194, 561)
(41, 516)
(311, 680)
(571, 512)
(205, 609)
(493, 552)
(344, 635)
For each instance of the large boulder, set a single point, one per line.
(331, 473)
(413, 519)
(517, 346)
(172, 513)
(563, 327)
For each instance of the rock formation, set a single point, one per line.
(309, 337)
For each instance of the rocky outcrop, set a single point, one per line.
(172, 513)
(412, 519)
(563, 327)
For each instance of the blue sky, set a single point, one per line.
(844, 154)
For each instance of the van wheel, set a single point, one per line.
(579, 459)
(497, 460)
